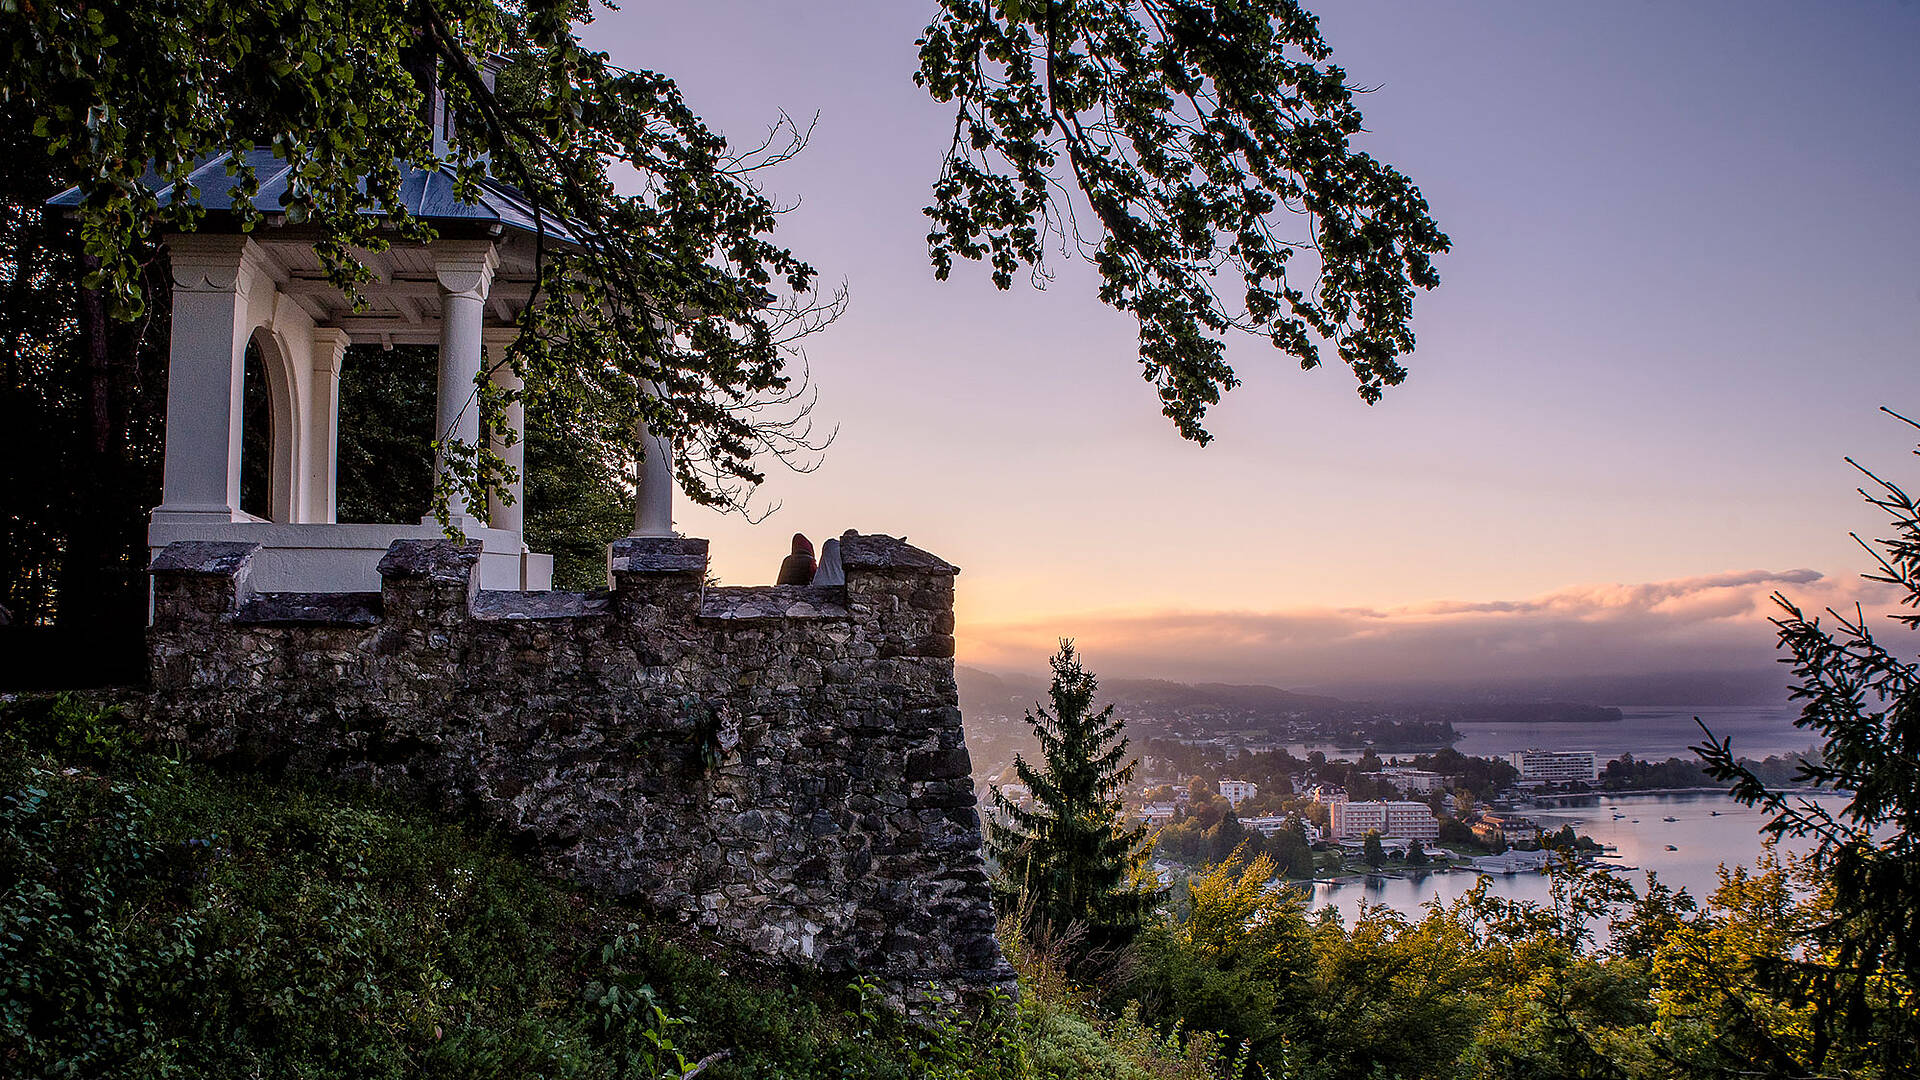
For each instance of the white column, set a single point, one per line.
(465, 270)
(653, 502)
(323, 430)
(212, 277)
(510, 517)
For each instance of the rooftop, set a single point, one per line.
(427, 193)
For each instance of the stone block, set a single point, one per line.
(877, 552)
(658, 555)
(200, 581)
(439, 562)
(939, 764)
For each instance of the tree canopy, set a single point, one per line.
(675, 288)
(1855, 971)
(1178, 144)
(1202, 139)
(1068, 867)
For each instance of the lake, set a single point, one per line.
(1708, 829)
(1648, 732)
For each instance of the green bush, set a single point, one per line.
(165, 919)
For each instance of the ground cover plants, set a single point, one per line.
(167, 919)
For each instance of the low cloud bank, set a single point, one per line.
(1712, 623)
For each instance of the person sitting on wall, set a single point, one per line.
(797, 568)
(831, 571)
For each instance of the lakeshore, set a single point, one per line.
(1621, 793)
(1709, 830)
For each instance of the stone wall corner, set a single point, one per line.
(904, 592)
(201, 582)
(429, 581)
(658, 579)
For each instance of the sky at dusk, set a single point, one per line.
(1686, 272)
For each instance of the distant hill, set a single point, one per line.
(985, 693)
(1216, 695)
(982, 693)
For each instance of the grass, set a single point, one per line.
(160, 918)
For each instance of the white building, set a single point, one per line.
(1326, 793)
(1556, 766)
(260, 304)
(1267, 826)
(1413, 781)
(1512, 862)
(1018, 794)
(1404, 820)
(1237, 791)
(1157, 813)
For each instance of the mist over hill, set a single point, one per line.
(1537, 699)
(985, 691)
(985, 695)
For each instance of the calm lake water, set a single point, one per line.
(1653, 732)
(1708, 829)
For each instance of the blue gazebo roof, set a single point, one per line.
(426, 193)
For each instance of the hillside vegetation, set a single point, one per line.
(164, 919)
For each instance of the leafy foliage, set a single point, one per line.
(1069, 1036)
(1067, 865)
(1204, 138)
(1859, 968)
(673, 305)
(575, 504)
(163, 919)
(1197, 135)
(385, 457)
(80, 403)
(1485, 987)
(226, 929)
(1236, 964)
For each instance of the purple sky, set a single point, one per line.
(1684, 276)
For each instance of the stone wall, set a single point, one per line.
(783, 767)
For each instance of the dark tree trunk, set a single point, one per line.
(102, 594)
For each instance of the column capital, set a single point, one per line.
(329, 349)
(215, 262)
(465, 267)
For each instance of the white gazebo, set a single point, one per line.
(464, 291)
